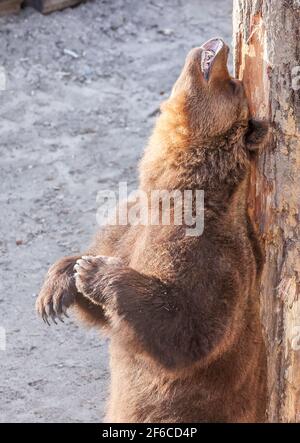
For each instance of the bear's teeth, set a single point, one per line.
(206, 58)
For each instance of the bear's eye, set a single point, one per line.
(234, 87)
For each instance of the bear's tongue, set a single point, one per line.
(210, 50)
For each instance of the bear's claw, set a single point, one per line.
(53, 309)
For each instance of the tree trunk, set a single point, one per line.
(267, 59)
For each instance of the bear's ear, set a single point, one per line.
(256, 135)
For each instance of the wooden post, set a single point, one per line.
(10, 6)
(267, 59)
(47, 6)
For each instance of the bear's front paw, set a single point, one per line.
(58, 292)
(90, 273)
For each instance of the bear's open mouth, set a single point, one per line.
(210, 49)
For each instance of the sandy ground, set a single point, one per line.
(73, 123)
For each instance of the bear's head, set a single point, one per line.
(209, 102)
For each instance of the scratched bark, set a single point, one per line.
(267, 59)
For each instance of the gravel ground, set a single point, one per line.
(83, 89)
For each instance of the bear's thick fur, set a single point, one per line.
(182, 312)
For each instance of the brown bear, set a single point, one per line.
(181, 311)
